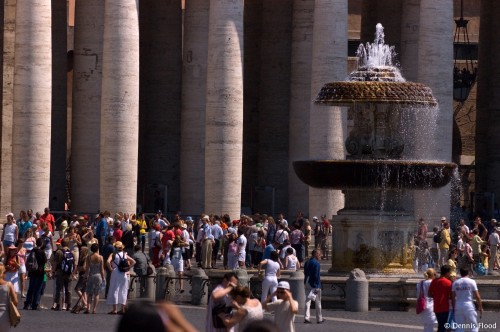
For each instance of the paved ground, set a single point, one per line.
(52, 321)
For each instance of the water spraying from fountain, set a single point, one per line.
(381, 170)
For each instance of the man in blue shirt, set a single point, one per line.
(101, 230)
(313, 288)
(269, 249)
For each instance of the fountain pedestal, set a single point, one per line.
(374, 232)
(373, 241)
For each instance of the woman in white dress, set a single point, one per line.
(427, 316)
(245, 310)
(177, 260)
(118, 284)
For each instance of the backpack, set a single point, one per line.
(437, 237)
(123, 264)
(68, 262)
(157, 242)
(480, 269)
(31, 262)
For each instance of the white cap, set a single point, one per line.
(315, 218)
(284, 285)
(10, 214)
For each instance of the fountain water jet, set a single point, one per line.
(375, 229)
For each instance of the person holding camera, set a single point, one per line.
(220, 302)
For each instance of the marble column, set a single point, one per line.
(435, 69)
(86, 110)
(300, 101)
(32, 105)
(327, 124)
(8, 43)
(194, 82)
(224, 111)
(119, 106)
(59, 135)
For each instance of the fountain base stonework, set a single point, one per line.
(372, 241)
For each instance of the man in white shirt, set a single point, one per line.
(494, 241)
(285, 307)
(242, 244)
(462, 292)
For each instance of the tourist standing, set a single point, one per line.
(242, 244)
(463, 292)
(444, 244)
(118, 285)
(7, 293)
(440, 291)
(12, 266)
(494, 241)
(63, 268)
(36, 277)
(297, 241)
(245, 310)
(94, 269)
(10, 232)
(219, 298)
(285, 307)
(143, 229)
(291, 261)
(427, 316)
(312, 280)
(307, 230)
(271, 275)
(48, 218)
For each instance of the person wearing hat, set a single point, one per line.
(12, 265)
(186, 252)
(10, 232)
(494, 241)
(118, 284)
(285, 307)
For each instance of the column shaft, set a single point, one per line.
(224, 112)
(435, 64)
(119, 106)
(32, 105)
(327, 124)
(300, 101)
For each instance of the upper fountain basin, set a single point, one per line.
(378, 92)
(365, 174)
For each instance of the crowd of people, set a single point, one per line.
(459, 254)
(473, 246)
(91, 255)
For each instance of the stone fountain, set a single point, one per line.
(375, 229)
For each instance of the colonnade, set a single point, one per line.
(210, 109)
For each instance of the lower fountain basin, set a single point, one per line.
(364, 174)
